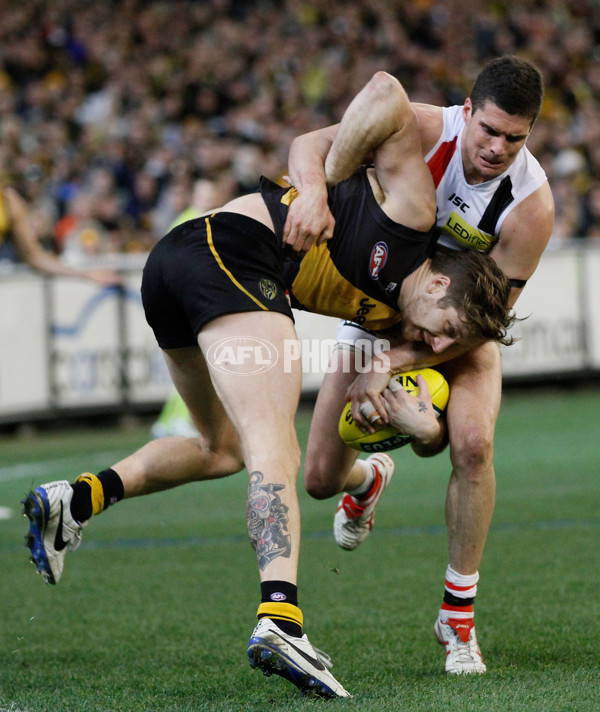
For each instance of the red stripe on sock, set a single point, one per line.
(458, 609)
(453, 587)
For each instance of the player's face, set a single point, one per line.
(491, 140)
(423, 319)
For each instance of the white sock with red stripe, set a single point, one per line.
(459, 594)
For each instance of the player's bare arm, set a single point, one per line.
(379, 111)
(524, 236)
(431, 123)
(400, 180)
(379, 117)
(309, 219)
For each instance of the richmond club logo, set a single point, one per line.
(268, 288)
(379, 255)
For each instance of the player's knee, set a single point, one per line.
(231, 463)
(225, 458)
(472, 453)
(319, 489)
(317, 481)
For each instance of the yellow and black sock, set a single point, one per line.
(280, 604)
(92, 494)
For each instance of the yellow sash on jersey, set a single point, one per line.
(321, 288)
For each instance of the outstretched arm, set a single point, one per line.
(32, 253)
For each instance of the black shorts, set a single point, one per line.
(207, 267)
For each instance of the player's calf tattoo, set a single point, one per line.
(267, 521)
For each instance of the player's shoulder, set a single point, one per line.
(431, 124)
(539, 202)
(530, 182)
(529, 185)
(532, 219)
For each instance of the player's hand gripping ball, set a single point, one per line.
(387, 437)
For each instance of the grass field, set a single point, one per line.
(155, 609)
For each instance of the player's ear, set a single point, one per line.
(467, 110)
(439, 284)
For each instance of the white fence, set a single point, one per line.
(68, 346)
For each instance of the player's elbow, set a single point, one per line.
(384, 89)
(382, 84)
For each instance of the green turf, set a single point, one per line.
(155, 609)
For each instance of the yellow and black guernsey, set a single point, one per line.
(357, 274)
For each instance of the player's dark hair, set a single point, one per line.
(479, 291)
(515, 85)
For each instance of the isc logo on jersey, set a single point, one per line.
(389, 438)
(379, 255)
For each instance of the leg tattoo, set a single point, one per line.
(267, 521)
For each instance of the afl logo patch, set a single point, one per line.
(278, 596)
(268, 289)
(379, 256)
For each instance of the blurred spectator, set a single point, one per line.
(131, 100)
(78, 233)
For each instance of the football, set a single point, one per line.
(387, 437)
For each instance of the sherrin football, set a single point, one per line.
(388, 438)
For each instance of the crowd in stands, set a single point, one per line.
(111, 110)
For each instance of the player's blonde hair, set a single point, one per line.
(479, 291)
